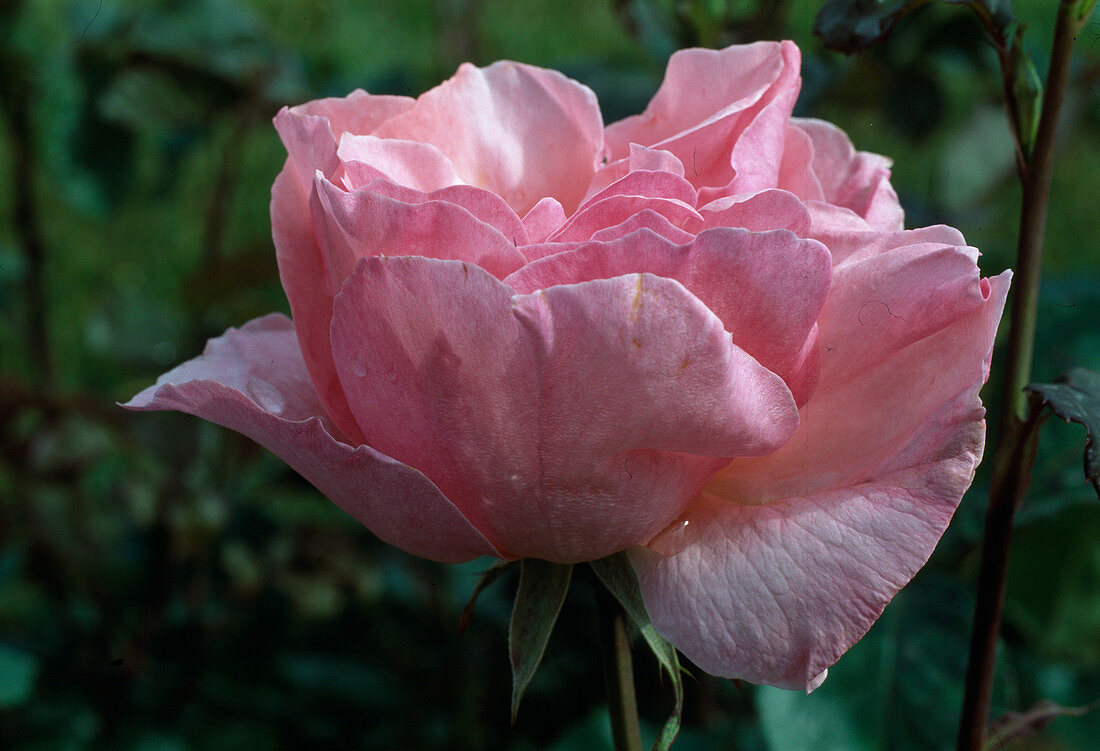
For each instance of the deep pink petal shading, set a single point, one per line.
(521, 132)
(253, 380)
(787, 560)
(566, 424)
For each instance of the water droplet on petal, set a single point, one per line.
(266, 395)
(359, 364)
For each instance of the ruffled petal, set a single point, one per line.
(566, 424)
(311, 132)
(787, 560)
(521, 132)
(364, 223)
(707, 101)
(253, 380)
(766, 288)
(855, 180)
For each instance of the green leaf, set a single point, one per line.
(854, 25)
(618, 576)
(18, 670)
(542, 588)
(1075, 397)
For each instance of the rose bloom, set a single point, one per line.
(700, 335)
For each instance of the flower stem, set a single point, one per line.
(618, 671)
(1015, 453)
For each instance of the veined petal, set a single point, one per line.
(771, 580)
(566, 424)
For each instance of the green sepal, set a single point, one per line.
(618, 576)
(1075, 397)
(542, 589)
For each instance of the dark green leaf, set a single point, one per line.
(542, 588)
(1075, 397)
(618, 576)
(854, 25)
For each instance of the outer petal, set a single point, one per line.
(416, 165)
(772, 581)
(519, 131)
(253, 380)
(302, 272)
(766, 288)
(567, 424)
(311, 132)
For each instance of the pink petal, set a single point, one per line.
(759, 212)
(543, 219)
(566, 424)
(253, 380)
(485, 206)
(766, 288)
(516, 130)
(302, 271)
(356, 225)
(788, 559)
(645, 219)
(855, 180)
(707, 100)
(612, 211)
(419, 166)
(311, 131)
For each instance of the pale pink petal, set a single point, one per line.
(766, 288)
(659, 160)
(521, 132)
(853, 179)
(485, 206)
(609, 212)
(774, 586)
(645, 219)
(311, 131)
(253, 380)
(647, 183)
(302, 272)
(419, 166)
(544, 218)
(363, 223)
(707, 101)
(566, 424)
(759, 212)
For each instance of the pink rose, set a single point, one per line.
(700, 335)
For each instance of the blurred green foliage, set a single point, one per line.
(165, 584)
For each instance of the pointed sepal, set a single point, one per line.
(542, 589)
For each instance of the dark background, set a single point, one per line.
(168, 585)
